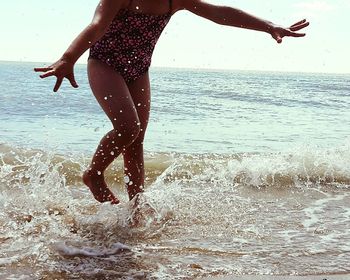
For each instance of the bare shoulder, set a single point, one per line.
(113, 4)
(106, 11)
(199, 7)
(185, 4)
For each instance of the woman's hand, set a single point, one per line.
(278, 32)
(61, 69)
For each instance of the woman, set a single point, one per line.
(121, 39)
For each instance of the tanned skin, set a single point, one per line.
(129, 128)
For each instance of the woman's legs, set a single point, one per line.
(133, 155)
(114, 97)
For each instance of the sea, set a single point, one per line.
(247, 173)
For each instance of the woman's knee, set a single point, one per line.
(127, 133)
(135, 147)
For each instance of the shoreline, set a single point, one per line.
(281, 277)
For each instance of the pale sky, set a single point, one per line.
(40, 31)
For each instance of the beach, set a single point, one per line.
(247, 177)
(270, 277)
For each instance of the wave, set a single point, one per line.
(197, 207)
(303, 165)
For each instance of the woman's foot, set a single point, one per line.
(142, 213)
(98, 187)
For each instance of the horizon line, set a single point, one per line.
(196, 68)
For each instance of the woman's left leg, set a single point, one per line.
(134, 170)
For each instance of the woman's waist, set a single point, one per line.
(122, 57)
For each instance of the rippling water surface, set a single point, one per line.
(247, 173)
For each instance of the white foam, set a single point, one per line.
(316, 211)
(66, 250)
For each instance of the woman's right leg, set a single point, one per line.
(114, 97)
(134, 168)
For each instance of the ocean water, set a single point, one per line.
(247, 174)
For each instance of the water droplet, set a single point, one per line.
(139, 104)
(112, 153)
(106, 97)
(99, 173)
(126, 179)
(131, 183)
(121, 111)
(119, 134)
(137, 7)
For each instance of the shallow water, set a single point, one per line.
(193, 111)
(247, 173)
(203, 215)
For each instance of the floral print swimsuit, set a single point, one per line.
(128, 44)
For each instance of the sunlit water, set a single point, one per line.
(247, 173)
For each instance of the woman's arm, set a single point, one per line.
(104, 14)
(238, 18)
(63, 68)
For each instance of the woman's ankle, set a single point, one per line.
(93, 173)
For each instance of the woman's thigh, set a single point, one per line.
(112, 94)
(140, 92)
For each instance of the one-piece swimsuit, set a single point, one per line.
(129, 42)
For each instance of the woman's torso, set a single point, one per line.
(130, 40)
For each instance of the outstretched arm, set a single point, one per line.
(63, 68)
(238, 18)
